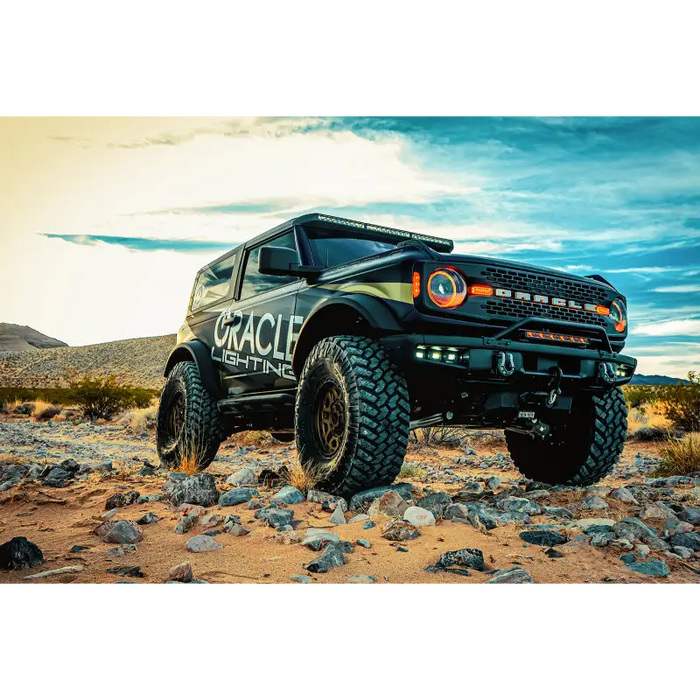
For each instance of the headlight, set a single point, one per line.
(447, 288)
(618, 315)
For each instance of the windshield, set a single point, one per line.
(331, 251)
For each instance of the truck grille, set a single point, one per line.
(510, 309)
(543, 284)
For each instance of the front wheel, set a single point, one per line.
(581, 450)
(189, 430)
(351, 416)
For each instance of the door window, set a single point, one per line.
(254, 282)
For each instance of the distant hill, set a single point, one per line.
(655, 380)
(17, 338)
(139, 361)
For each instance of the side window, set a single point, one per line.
(214, 283)
(254, 282)
(331, 251)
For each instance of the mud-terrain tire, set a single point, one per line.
(189, 425)
(351, 416)
(582, 450)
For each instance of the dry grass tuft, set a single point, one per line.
(680, 457)
(411, 470)
(141, 420)
(190, 461)
(7, 458)
(304, 477)
(44, 411)
(649, 416)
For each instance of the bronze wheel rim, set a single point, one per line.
(175, 422)
(329, 419)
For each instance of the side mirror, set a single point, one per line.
(283, 262)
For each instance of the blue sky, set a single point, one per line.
(617, 196)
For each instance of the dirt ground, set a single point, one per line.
(56, 519)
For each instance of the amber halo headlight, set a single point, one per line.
(618, 315)
(447, 288)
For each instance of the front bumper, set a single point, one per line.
(499, 360)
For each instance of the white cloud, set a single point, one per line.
(679, 289)
(666, 328)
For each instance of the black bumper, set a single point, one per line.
(501, 360)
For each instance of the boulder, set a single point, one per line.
(519, 505)
(420, 517)
(543, 538)
(634, 529)
(467, 558)
(20, 553)
(148, 519)
(399, 531)
(199, 489)
(360, 501)
(389, 504)
(182, 573)
(436, 503)
(243, 477)
(690, 515)
(288, 495)
(202, 543)
(119, 532)
(316, 539)
(120, 500)
(275, 517)
(657, 511)
(513, 575)
(235, 497)
(650, 567)
(58, 478)
(624, 496)
(332, 557)
(690, 540)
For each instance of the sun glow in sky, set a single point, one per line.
(104, 222)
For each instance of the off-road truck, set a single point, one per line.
(351, 334)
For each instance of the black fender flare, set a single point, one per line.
(196, 351)
(376, 313)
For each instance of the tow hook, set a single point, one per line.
(505, 365)
(606, 372)
(554, 386)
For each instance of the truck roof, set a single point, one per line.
(329, 222)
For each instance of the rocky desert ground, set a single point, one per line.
(94, 506)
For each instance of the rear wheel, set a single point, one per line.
(581, 450)
(189, 428)
(351, 416)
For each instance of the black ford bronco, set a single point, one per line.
(351, 334)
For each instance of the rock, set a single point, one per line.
(119, 532)
(650, 567)
(334, 502)
(202, 543)
(586, 524)
(243, 477)
(519, 505)
(148, 519)
(457, 511)
(420, 517)
(624, 495)
(472, 488)
(230, 521)
(358, 518)
(554, 512)
(57, 572)
(602, 539)
(131, 571)
(287, 536)
(657, 511)
(182, 572)
(592, 503)
(275, 517)
(360, 501)
(120, 500)
(189, 509)
(493, 482)
(513, 575)
(466, 558)
(121, 551)
(237, 530)
(332, 556)
(390, 504)
(78, 548)
(642, 550)
(543, 538)
(185, 524)
(58, 478)
(398, 531)
(20, 553)
(109, 514)
(315, 496)
(674, 526)
(683, 552)
(435, 503)
(316, 538)
(211, 520)
(288, 495)
(553, 553)
(691, 540)
(364, 543)
(300, 578)
(338, 517)
(361, 578)
(199, 489)
(235, 497)
(634, 529)
(369, 525)
(690, 515)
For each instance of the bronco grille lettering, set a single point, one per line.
(554, 301)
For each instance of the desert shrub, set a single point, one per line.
(44, 411)
(680, 456)
(141, 419)
(411, 470)
(102, 397)
(438, 436)
(25, 409)
(300, 478)
(638, 396)
(648, 433)
(681, 403)
(3, 407)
